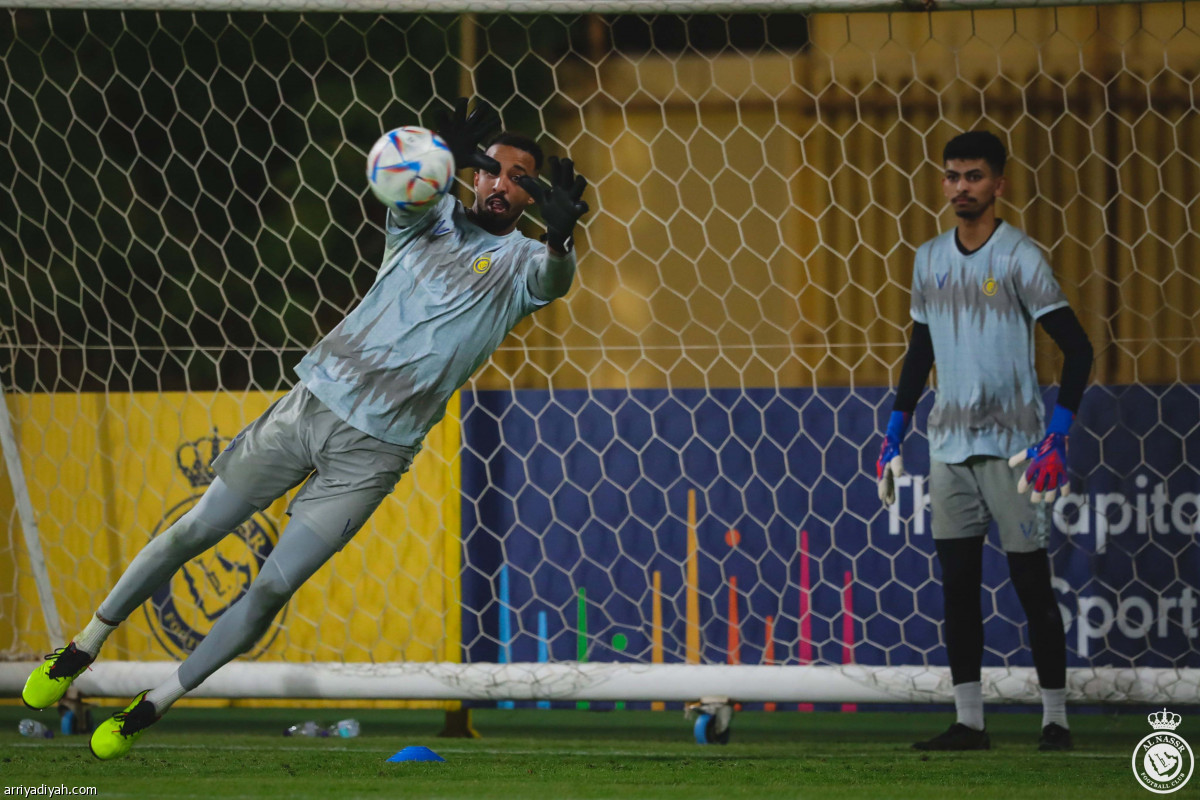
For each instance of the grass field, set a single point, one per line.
(210, 753)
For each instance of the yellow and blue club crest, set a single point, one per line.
(183, 610)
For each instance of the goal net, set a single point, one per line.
(661, 486)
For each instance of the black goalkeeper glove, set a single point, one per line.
(462, 133)
(560, 201)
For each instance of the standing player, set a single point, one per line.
(977, 291)
(453, 283)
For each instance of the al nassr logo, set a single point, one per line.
(183, 610)
(1163, 761)
(483, 263)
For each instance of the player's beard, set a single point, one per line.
(495, 214)
(974, 210)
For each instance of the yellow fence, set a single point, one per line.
(106, 472)
(755, 218)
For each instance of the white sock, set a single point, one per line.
(968, 702)
(166, 693)
(1054, 707)
(92, 637)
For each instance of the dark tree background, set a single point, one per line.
(185, 204)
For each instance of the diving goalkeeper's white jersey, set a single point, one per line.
(446, 296)
(981, 309)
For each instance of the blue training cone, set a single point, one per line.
(416, 753)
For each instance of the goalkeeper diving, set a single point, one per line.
(454, 282)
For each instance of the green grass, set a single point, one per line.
(545, 755)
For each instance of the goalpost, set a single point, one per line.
(662, 486)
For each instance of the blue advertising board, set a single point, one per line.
(582, 495)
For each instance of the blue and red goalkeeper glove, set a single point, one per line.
(890, 465)
(1047, 470)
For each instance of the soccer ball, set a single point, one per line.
(410, 167)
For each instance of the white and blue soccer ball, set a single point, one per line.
(410, 167)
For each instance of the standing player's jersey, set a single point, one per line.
(980, 309)
(447, 294)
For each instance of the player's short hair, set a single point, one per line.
(521, 142)
(977, 144)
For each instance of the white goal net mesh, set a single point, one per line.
(674, 464)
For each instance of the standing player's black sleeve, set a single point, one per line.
(1064, 328)
(918, 362)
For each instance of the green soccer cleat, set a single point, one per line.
(116, 735)
(48, 683)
